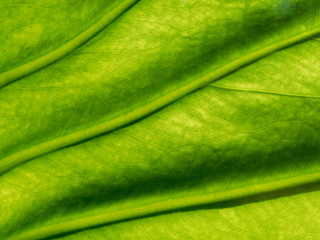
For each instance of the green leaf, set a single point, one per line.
(157, 119)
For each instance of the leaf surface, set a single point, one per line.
(181, 120)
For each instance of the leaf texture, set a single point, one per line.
(172, 120)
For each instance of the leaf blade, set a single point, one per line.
(254, 130)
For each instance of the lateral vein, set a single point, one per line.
(165, 206)
(15, 159)
(47, 59)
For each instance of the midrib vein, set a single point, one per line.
(60, 52)
(163, 207)
(15, 159)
